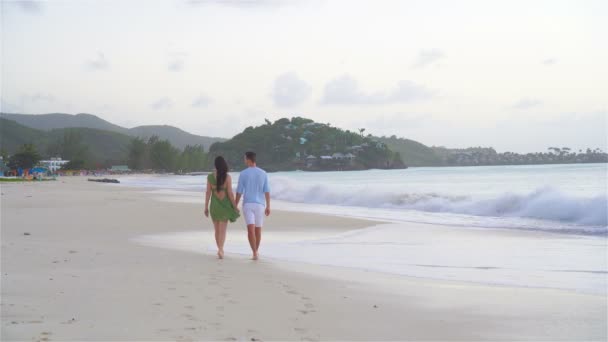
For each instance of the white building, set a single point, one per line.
(53, 164)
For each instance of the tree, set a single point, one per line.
(26, 158)
(71, 147)
(75, 164)
(163, 155)
(192, 158)
(138, 154)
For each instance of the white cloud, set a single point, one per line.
(176, 66)
(345, 90)
(526, 103)
(162, 103)
(289, 90)
(201, 101)
(98, 63)
(549, 61)
(427, 57)
(28, 6)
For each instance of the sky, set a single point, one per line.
(515, 75)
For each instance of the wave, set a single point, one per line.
(544, 203)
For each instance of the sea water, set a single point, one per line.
(557, 215)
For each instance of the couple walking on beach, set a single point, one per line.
(222, 205)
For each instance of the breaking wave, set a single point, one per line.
(543, 203)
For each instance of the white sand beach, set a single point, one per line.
(76, 265)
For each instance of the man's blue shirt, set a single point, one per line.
(253, 184)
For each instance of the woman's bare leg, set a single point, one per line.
(222, 240)
(218, 237)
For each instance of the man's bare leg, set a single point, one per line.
(258, 238)
(251, 235)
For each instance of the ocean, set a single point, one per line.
(448, 223)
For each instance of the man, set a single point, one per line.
(253, 187)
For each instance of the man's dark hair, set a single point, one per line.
(250, 156)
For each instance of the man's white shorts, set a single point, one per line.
(254, 213)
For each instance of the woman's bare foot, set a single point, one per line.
(255, 256)
(220, 254)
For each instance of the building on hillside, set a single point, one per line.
(311, 161)
(338, 156)
(3, 167)
(120, 169)
(54, 164)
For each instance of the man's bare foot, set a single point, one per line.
(220, 254)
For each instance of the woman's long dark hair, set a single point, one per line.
(222, 171)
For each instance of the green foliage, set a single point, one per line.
(26, 158)
(48, 122)
(412, 152)
(284, 145)
(70, 147)
(138, 154)
(192, 158)
(74, 164)
(160, 155)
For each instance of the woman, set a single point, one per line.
(223, 208)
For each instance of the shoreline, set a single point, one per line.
(88, 270)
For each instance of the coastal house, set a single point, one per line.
(338, 156)
(3, 167)
(311, 161)
(54, 164)
(119, 169)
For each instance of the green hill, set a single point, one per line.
(13, 135)
(289, 144)
(412, 152)
(103, 147)
(176, 136)
(47, 122)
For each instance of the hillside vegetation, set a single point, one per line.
(47, 122)
(299, 143)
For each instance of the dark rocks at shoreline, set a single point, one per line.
(104, 180)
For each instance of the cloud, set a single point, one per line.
(549, 61)
(238, 3)
(9, 107)
(162, 103)
(345, 90)
(526, 103)
(38, 97)
(201, 101)
(289, 90)
(33, 7)
(98, 63)
(176, 66)
(427, 57)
